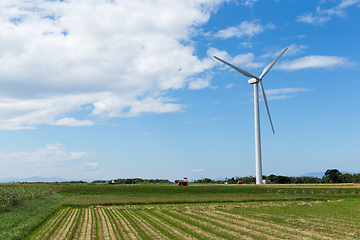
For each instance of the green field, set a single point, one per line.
(102, 211)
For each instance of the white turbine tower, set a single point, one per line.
(255, 80)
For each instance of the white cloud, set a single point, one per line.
(71, 122)
(282, 93)
(207, 120)
(242, 60)
(246, 44)
(88, 166)
(324, 15)
(229, 86)
(197, 170)
(293, 50)
(245, 29)
(50, 153)
(249, 2)
(200, 83)
(49, 161)
(313, 62)
(118, 57)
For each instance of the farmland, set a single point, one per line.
(335, 219)
(102, 211)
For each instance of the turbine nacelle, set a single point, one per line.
(254, 80)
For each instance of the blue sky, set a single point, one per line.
(122, 89)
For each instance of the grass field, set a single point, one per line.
(101, 211)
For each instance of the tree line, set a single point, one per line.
(134, 181)
(330, 176)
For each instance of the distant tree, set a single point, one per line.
(230, 180)
(272, 178)
(282, 179)
(247, 180)
(347, 178)
(333, 176)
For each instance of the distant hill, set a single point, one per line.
(313, 174)
(321, 174)
(35, 179)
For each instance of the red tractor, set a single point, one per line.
(183, 182)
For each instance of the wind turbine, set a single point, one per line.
(255, 80)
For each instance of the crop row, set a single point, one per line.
(10, 196)
(201, 221)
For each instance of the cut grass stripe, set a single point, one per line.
(194, 230)
(112, 223)
(232, 217)
(221, 229)
(246, 227)
(57, 224)
(67, 224)
(128, 228)
(43, 230)
(138, 232)
(104, 221)
(76, 223)
(148, 231)
(148, 227)
(165, 228)
(120, 231)
(155, 226)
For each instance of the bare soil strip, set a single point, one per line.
(108, 231)
(112, 223)
(100, 229)
(319, 223)
(222, 230)
(146, 227)
(71, 224)
(139, 232)
(310, 234)
(57, 226)
(65, 225)
(170, 229)
(194, 229)
(81, 222)
(128, 228)
(202, 221)
(120, 228)
(256, 229)
(84, 224)
(49, 225)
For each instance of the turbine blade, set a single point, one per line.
(242, 71)
(266, 104)
(268, 67)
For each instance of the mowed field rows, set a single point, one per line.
(336, 219)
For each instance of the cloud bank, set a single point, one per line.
(107, 58)
(324, 15)
(245, 29)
